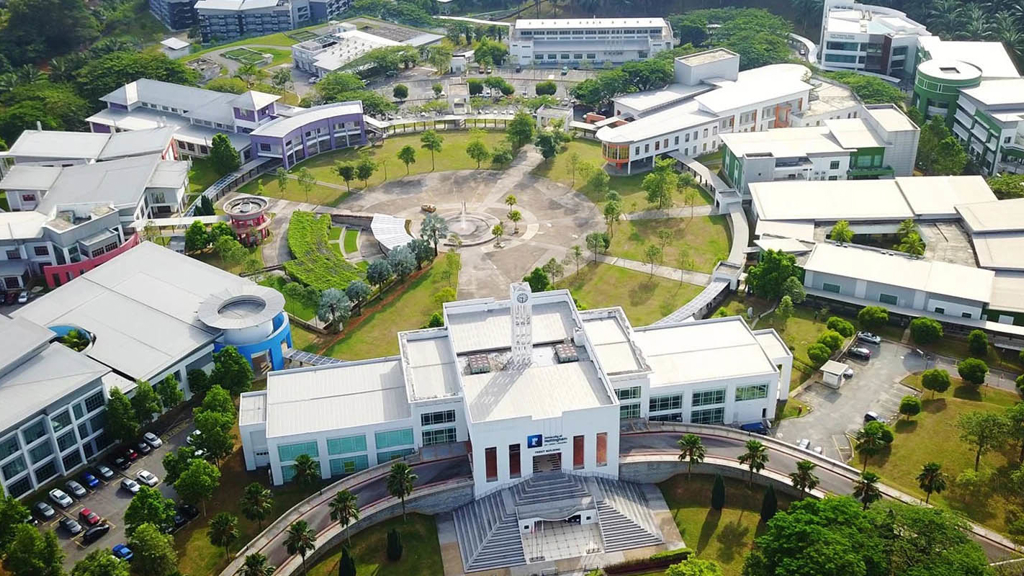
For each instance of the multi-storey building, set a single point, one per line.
(868, 38)
(593, 41)
(882, 143)
(311, 131)
(175, 14)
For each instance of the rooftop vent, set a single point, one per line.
(479, 364)
(566, 352)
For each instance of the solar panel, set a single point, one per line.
(311, 359)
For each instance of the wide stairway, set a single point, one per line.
(549, 487)
(488, 533)
(626, 519)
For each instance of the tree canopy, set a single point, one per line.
(768, 276)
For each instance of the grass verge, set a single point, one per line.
(703, 240)
(352, 241)
(644, 299)
(421, 552)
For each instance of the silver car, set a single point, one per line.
(130, 485)
(75, 488)
(146, 477)
(153, 440)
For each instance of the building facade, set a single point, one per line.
(592, 41)
(311, 131)
(174, 14)
(868, 38)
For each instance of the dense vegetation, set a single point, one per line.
(316, 264)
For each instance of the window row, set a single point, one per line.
(663, 403)
(435, 418)
(709, 397)
(755, 392)
(439, 436)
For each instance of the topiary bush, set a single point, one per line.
(844, 328)
(818, 354)
(831, 339)
(925, 330)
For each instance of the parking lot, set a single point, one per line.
(109, 500)
(874, 387)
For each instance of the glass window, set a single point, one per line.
(20, 487)
(834, 165)
(628, 393)
(965, 314)
(34, 432)
(432, 418)
(83, 430)
(602, 448)
(72, 459)
(60, 421)
(94, 402)
(388, 455)
(830, 287)
(342, 466)
(79, 411)
(628, 411)
(755, 392)
(288, 452)
(438, 436)
(46, 471)
(491, 464)
(40, 452)
(346, 445)
(673, 417)
(66, 441)
(287, 472)
(709, 416)
(578, 449)
(888, 299)
(662, 403)
(515, 462)
(14, 467)
(8, 446)
(709, 397)
(390, 438)
(98, 422)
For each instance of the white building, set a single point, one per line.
(869, 38)
(710, 96)
(532, 383)
(343, 44)
(592, 41)
(175, 48)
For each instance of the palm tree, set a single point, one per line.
(28, 74)
(804, 479)
(431, 141)
(977, 23)
(866, 488)
(256, 565)
(307, 471)
(345, 510)
(433, 229)
(907, 227)
(756, 458)
(691, 451)
(515, 216)
(912, 244)
(8, 82)
(281, 78)
(400, 482)
(1008, 31)
(300, 539)
(868, 442)
(247, 73)
(223, 530)
(256, 503)
(931, 479)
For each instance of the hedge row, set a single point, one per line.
(653, 562)
(316, 264)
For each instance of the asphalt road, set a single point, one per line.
(110, 501)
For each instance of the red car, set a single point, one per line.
(131, 454)
(89, 517)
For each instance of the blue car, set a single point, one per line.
(123, 552)
(90, 480)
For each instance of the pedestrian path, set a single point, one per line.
(688, 276)
(684, 212)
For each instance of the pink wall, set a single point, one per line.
(66, 272)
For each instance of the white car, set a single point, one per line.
(60, 498)
(130, 485)
(192, 437)
(147, 478)
(153, 440)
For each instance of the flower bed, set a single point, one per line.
(316, 264)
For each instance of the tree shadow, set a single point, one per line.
(708, 529)
(933, 405)
(733, 538)
(642, 292)
(905, 426)
(967, 392)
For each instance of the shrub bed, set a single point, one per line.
(653, 562)
(316, 264)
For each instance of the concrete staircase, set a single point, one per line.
(548, 487)
(626, 520)
(488, 533)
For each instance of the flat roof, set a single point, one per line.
(772, 344)
(334, 397)
(889, 117)
(944, 195)
(950, 69)
(991, 57)
(854, 133)
(1007, 292)
(998, 92)
(491, 329)
(868, 19)
(701, 351)
(897, 269)
(758, 85)
(1000, 251)
(993, 216)
(707, 56)
(833, 200)
(21, 225)
(252, 408)
(59, 144)
(546, 23)
(141, 305)
(118, 182)
(430, 368)
(790, 245)
(30, 177)
(173, 43)
(788, 143)
(649, 99)
(146, 119)
(686, 115)
(801, 230)
(608, 332)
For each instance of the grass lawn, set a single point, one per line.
(307, 340)
(201, 176)
(321, 195)
(736, 304)
(704, 238)
(644, 299)
(334, 232)
(421, 552)
(277, 39)
(958, 348)
(3, 202)
(726, 536)
(799, 332)
(210, 256)
(451, 157)
(297, 309)
(932, 436)
(351, 240)
(375, 335)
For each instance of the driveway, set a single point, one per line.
(110, 501)
(874, 387)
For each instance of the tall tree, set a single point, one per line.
(223, 156)
(869, 441)
(282, 178)
(433, 229)
(400, 482)
(767, 277)
(300, 539)
(769, 504)
(34, 553)
(334, 308)
(169, 392)
(122, 424)
(477, 151)
(691, 451)
(231, 371)
(347, 173)
(198, 482)
(1014, 417)
(256, 564)
(307, 471)
(306, 180)
(149, 506)
(101, 563)
(256, 503)
(931, 479)
(223, 531)
(718, 493)
(145, 402)
(520, 129)
(804, 479)
(755, 458)
(431, 141)
(983, 430)
(344, 510)
(866, 489)
(841, 232)
(153, 551)
(408, 156)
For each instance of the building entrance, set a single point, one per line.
(547, 462)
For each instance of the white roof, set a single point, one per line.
(1000, 251)
(335, 397)
(687, 115)
(889, 117)
(118, 182)
(853, 133)
(610, 341)
(389, 231)
(21, 225)
(702, 351)
(141, 305)
(252, 408)
(990, 57)
(280, 127)
(801, 230)
(240, 306)
(993, 216)
(552, 23)
(175, 43)
(998, 92)
(492, 329)
(430, 369)
(59, 144)
(772, 344)
(236, 4)
(758, 85)
(1008, 292)
(145, 119)
(30, 177)
(895, 269)
(790, 245)
(648, 99)
(833, 367)
(865, 21)
(834, 200)
(787, 143)
(950, 70)
(944, 195)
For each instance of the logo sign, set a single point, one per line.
(535, 441)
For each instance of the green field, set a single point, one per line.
(352, 241)
(724, 536)
(298, 309)
(644, 299)
(451, 157)
(421, 552)
(281, 39)
(375, 335)
(201, 175)
(705, 240)
(322, 195)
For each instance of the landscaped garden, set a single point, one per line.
(247, 55)
(643, 298)
(351, 240)
(297, 300)
(315, 263)
(421, 552)
(213, 258)
(690, 243)
(724, 536)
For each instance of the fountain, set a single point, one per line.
(472, 227)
